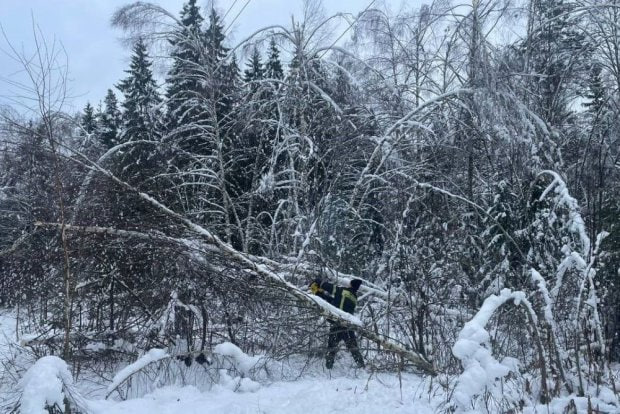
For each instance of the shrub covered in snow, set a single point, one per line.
(43, 385)
(482, 372)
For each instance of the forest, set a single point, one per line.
(461, 159)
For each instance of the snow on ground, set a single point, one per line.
(9, 371)
(342, 390)
(339, 394)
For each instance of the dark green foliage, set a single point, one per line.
(254, 72)
(141, 98)
(273, 66)
(184, 91)
(88, 121)
(219, 71)
(109, 121)
(596, 92)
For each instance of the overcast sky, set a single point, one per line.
(97, 58)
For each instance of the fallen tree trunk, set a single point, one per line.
(266, 269)
(260, 267)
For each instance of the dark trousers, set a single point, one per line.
(338, 333)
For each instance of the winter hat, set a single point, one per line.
(355, 284)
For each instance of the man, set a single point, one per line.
(344, 298)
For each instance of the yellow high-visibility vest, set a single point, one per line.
(347, 295)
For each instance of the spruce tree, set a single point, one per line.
(88, 119)
(273, 67)
(141, 102)
(222, 76)
(232, 78)
(254, 71)
(596, 92)
(184, 78)
(109, 121)
(214, 37)
(556, 52)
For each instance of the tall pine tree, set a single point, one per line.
(141, 113)
(273, 67)
(184, 87)
(88, 119)
(221, 74)
(109, 121)
(254, 71)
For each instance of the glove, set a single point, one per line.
(315, 287)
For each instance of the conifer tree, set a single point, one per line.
(214, 36)
(88, 121)
(109, 121)
(596, 91)
(184, 88)
(232, 79)
(221, 75)
(556, 52)
(254, 67)
(273, 67)
(254, 71)
(598, 142)
(142, 99)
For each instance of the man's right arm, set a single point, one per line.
(323, 290)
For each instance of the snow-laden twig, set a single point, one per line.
(243, 362)
(477, 207)
(542, 288)
(575, 221)
(573, 260)
(481, 370)
(18, 242)
(589, 273)
(325, 96)
(387, 136)
(103, 159)
(123, 375)
(583, 261)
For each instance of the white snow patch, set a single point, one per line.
(243, 362)
(481, 369)
(237, 383)
(153, 355)
(42, 385)
(95, 346)
(379, 393)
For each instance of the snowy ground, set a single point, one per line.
(313, 395)
(341, 390)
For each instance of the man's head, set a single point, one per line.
(355, 284)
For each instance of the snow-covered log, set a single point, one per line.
(263, 271)
(259, 268)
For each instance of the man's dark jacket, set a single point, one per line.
(343, 298)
